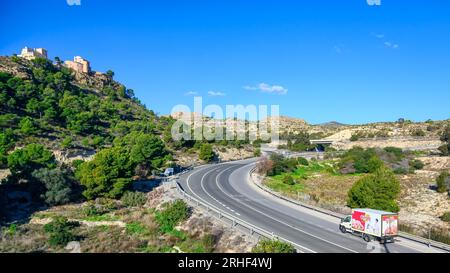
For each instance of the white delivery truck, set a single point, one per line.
(371, 224)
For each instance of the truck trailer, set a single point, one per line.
(371, 224)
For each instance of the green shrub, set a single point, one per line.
(273, 246)
(279, 164)
(354, 137)
(134, 199)
(28, 126)
(107, 175)
(67, 142)
(288, 180)
(135, 228)
(76, 163)
(302, 161)
(58, 187)
(416, 164)
(395, 151)
(362, 160)
(444, 149)
(445, 137)
(60, 231)
(6, 143)
(442, 182)
(11, 229)
(171, 215)
(400, 171)
(299, 142)
(418, 133)
(101, 207)
(209, 242)
(206, 153)
(446, 217)
(23, 162)
(374, 164)
(376, 191)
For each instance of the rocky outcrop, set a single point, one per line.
(95, 80)
(18, 69)
(68, 156)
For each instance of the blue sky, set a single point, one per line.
(319, 60)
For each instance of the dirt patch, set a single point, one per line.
(403, 143)
(421, 206)
(436, 163)
(227, 240)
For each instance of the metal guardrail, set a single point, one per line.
(418, 239)
(235, 221)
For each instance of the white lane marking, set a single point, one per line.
(189, 187)
(204, 189)
(220, 188)
(277, 220)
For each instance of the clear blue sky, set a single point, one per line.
(338, 60)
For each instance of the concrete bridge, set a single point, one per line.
(322, 141)
(321, 144)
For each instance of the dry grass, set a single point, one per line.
(27, 238)
(330, 189)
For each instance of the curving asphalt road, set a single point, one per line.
(227, 188)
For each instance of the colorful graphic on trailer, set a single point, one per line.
(366, 222)
(359, 220)
(390, 225)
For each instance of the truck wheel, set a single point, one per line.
(366, 237)
(343, 229)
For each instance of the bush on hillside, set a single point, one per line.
(377, 191)
(288, 180)
(58, 187)
(171, 215)
(60, 231)
(360, 160)
(134, 199)
(446, 216)
(206, 152)
(273, 246)
(302, 161)
(443, 182)
(416, 164)
(107, 175)
(22, 162)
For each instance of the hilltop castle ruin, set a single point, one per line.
(32, 53)
(78, 64)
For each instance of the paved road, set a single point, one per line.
(227, 188)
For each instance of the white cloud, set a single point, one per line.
(191, 93)
(267, 88)
(378, 35)
(386, 43)
(391, 45)
(215, 94)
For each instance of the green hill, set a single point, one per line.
(49, 104)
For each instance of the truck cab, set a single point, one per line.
(346, 224)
